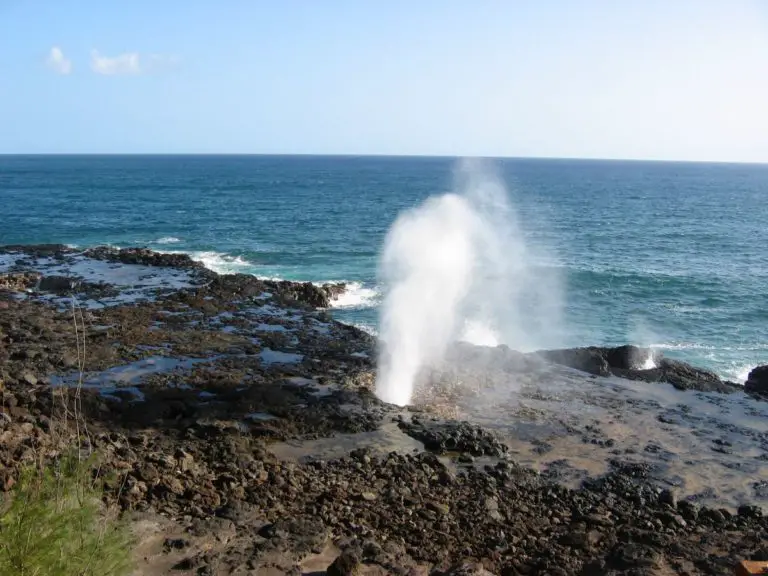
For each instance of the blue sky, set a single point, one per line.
(674, 79)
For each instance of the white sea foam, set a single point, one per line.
(221, 262)
(356, 296)
(739, 374)
(717, 357)
(367, 329)
(698, 346)
(167, 240)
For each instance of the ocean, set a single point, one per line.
(668, 255)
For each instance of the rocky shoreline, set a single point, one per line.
(238, 430)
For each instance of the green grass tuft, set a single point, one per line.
(53, 523)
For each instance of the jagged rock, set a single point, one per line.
(348, 563)
(19, 281)
(142, 256)
(57, 284)
(757, 381)
(668, 497)
(459, 437)
(628, 357)
(630, 362)
(591, 360)
(306, 292)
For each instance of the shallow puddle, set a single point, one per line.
(126, 377)
(388, 438)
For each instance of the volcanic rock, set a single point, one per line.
(630, 362)
(757, 381)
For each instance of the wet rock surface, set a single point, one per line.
(189, 382)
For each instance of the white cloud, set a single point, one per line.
(57, 62)
(127, 64)
(131, 63)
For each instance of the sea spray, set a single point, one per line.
(427, 265)
(457, 268)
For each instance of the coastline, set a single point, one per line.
(238, 411)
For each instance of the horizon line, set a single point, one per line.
(379, 155)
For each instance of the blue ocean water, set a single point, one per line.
(673, 255)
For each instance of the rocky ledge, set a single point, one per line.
(236, 428)
(643, 364)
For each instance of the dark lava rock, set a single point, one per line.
(757, 382)
(686, 377)
(38, 250)
(591, 360)
(668, 497)
(634, 555)
(462, 437)
(750, 511)
(57, 284)
(18, 281)
(175, 544)
(628, 357)
(628, 362)
(347, 564)
(306, 292)
(142, 256)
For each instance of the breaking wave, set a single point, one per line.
(167, 240)
(356, 296)
(222, 263)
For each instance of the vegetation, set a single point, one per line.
(53, 523)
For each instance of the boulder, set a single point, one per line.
(628, 357)
(757, 381)
(591, 360)
(57, 284)
(306, 292)
(347, 564)
(683, 376)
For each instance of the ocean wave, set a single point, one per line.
(221, 262)
(365, 328)
(733, 363)
(356, 296)
(710, 347)
(739, 374)
(166, 240)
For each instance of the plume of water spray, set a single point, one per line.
(457, 268)
(427, 263)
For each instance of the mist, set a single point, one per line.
(458, 268)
